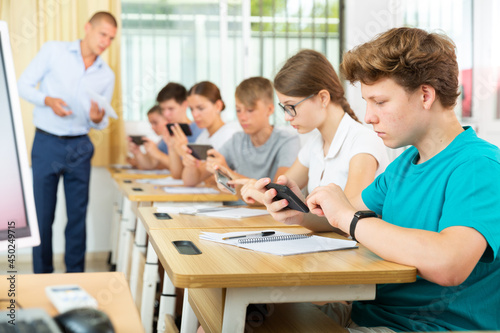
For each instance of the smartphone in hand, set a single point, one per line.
(222, 179)
(199, 151)
(284, 192)
(137, 139)
(184, 127)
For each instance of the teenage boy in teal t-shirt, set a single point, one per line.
(438, 203)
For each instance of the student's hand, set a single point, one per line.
(249, 193)
(178, 137)
(57, 105)
(169, 140)
(132, 147)
(132, 162)
(188, 160)
(215, 160)
(224, 170)
(96, 114)
(276, 208)
(331, 202)
(151, 148)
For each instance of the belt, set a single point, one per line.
(61, 136)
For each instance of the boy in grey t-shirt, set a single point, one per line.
(261, 150)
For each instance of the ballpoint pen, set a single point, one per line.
(262, 233)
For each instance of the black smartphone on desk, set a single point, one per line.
(184, 127)
(199, 151)
(137, 139)
(162, 216)
(284, 192)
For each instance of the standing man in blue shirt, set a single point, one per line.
(63, 116)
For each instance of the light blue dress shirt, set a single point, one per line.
(61, 73)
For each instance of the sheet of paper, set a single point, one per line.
(103, 103)
(235, 213)
(281, 247)
(148, 172)
(161, 181)
(190, 190)
(184, 207)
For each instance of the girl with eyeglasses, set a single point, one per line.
(343, 151)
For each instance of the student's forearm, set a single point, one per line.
(145, 162)
(163, 160)
(191, 176)
(439, 257)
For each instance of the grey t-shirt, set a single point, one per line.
(242, 156)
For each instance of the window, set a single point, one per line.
(454, 18)
(220, 41)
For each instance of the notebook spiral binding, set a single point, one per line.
(273, 238)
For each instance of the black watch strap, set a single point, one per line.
(358, 216)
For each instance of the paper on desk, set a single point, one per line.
(121, 166)
(190, 190)
(234, 213)
(282, 247)
(184, 208)
(161, 181)
(148, 172)
(103, 103)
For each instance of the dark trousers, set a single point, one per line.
(53, 157)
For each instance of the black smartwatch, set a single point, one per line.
(358, 216)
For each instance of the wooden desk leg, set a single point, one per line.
(237, 299)
(167, 302)
(123, 253)
(140, 244)
(115, 229)
(131, 221)
(149, 289)
(189, 323)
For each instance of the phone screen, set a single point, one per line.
(222, 179)
(283, 192)
(184, 127)
(137, 139)
(199, 151)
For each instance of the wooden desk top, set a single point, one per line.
(117, 173)
(109, 289)
(150, 221)
(225, 266)
(148, 192)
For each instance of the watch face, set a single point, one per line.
(365, 213)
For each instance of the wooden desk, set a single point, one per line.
(118, 173)
(180, 221)
(140, 192)
(246, 276)
(130, 247)
(109, 289)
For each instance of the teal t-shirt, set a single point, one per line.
(460, 186)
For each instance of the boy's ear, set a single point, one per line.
(184, 105)
(428, 95)
(270, 109)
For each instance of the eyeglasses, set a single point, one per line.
(290, 109)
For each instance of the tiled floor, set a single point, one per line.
(94, 262)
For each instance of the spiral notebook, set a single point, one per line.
(279, 243)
